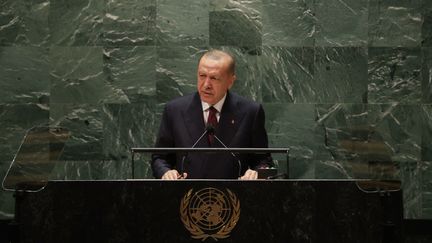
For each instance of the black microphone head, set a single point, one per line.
(210, 129)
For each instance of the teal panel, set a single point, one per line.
(76, 23)
(85, 124)
(340, 74)
(399, 127)
(176, 71)
(426, 32)
(394, 23)
(341, 23)
(426, 83)
(344, 145)
(294, 126)
(130, 23)
(92, 170)
(235, 24)
(248, 73)
(417, 189)
(426, 136)
(410, 175)
(287, 74)
(426, 186)
(288, 23)
(77, 75)
(183, 22)
(129, 125)
(24, 75)
(130, 73)
(24, 22)
(394, 75)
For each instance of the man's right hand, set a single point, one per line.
(173, 175)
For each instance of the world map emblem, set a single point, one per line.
(210, 213)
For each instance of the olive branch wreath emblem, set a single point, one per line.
(197, 232)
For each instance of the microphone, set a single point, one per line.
(208, 130)
(211, 130)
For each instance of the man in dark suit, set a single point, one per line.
(236, 121)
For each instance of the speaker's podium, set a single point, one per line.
(133, 210)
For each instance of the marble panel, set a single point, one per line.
(16, 120)
(344, 145)
(399, 128)
(248, 72)
(287, 74)
(92, 170)
(394, 23)
(130, 73)
(341, 23)
(394, 75)
(24, 73)
(334, 169)
(182, 22)
(24, 22)
(417, 189)
(410, 176)
(340, 74)
(426, 186)
(426, 32)
(426, 135)
(85, 123)
(288, 23)
(76, 23)
(77, 75)
(426, 73)
(127, 126)
(130, 23)
(236, 23)
(176, 71)
(294, 126)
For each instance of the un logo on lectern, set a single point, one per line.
(210, 213)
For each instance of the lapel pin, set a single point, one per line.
(232, 121)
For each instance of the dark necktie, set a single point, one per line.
(212, 121)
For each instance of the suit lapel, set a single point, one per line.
(229, 121)
(194, 121)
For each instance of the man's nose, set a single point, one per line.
(207, 83)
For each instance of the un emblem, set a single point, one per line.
(210, 212)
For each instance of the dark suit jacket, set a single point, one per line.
(241, 124)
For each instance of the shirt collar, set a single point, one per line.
(217, 106)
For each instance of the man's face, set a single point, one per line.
(214, 79)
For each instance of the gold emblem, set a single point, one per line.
(210, 212)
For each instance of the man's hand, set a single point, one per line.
(173, 175)
(250, 175)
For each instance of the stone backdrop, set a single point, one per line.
(346, 84)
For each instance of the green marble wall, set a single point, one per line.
(346, 84)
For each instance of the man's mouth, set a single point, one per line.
(207, 93)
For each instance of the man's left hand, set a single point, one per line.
(250, 175)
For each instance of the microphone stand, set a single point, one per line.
(207, 130)
(238, 160)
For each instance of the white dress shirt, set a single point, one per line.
(217, 106)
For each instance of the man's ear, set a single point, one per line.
(232, 80)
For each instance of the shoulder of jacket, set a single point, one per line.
(244, 102)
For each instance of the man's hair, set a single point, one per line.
(216, 54)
